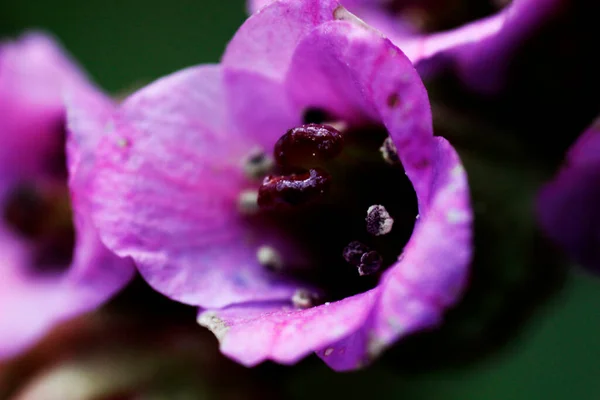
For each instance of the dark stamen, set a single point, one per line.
(379, 221)
(307, 145)
(293, 190)
(354, 251)
(360, 255)
(369, 263)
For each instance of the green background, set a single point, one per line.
(126, 43)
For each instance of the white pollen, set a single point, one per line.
(389, 152)
(248, 202)
(269, 258)
(379, 221)
(302, 299)
(328, 351)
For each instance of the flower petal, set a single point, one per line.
(480, 50)
(265, 43)
(251, 334)
(380, 83)
(33, 72)
(95, 269)
(433, 269)
(166, 193)
(567, 207)
(30, 303)
(482, 60)
(255, 5)
(429, 276)
(256, 61)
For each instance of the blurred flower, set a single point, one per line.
(104, 356)
(323, 247)
(568, 205)
(480, 51)
(53, 264)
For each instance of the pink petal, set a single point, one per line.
(34, 71)
(256, 61)
(429, 276)
(567, 206)
(166, 193)
(265, 43)
(30, 304)
(432, 271)
(251, 334)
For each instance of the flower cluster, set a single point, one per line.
(295, 192)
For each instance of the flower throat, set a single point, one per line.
(341, 193)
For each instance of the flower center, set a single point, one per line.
(332, 192)
(39, 212)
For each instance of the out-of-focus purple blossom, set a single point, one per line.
(480, 51)
(178, 188)
(568, 206)
(53, 264)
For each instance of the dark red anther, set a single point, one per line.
(308, 144)
(293, 190)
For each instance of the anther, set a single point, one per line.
(389, 152)
(269, 258)
(303, 298)
(258, 164)
(354, 251)
(370, 263)
(293, 190)
(379, 221)
(307, 145)
(362, 257)
(248, 202)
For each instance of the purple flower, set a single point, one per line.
(568, 205)
(479, 51)
(186, 185)
(53, 264)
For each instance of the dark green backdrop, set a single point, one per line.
(125, 43)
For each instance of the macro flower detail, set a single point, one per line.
(241, 188)
(567, 206)
(479, 51)
(54, 266)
